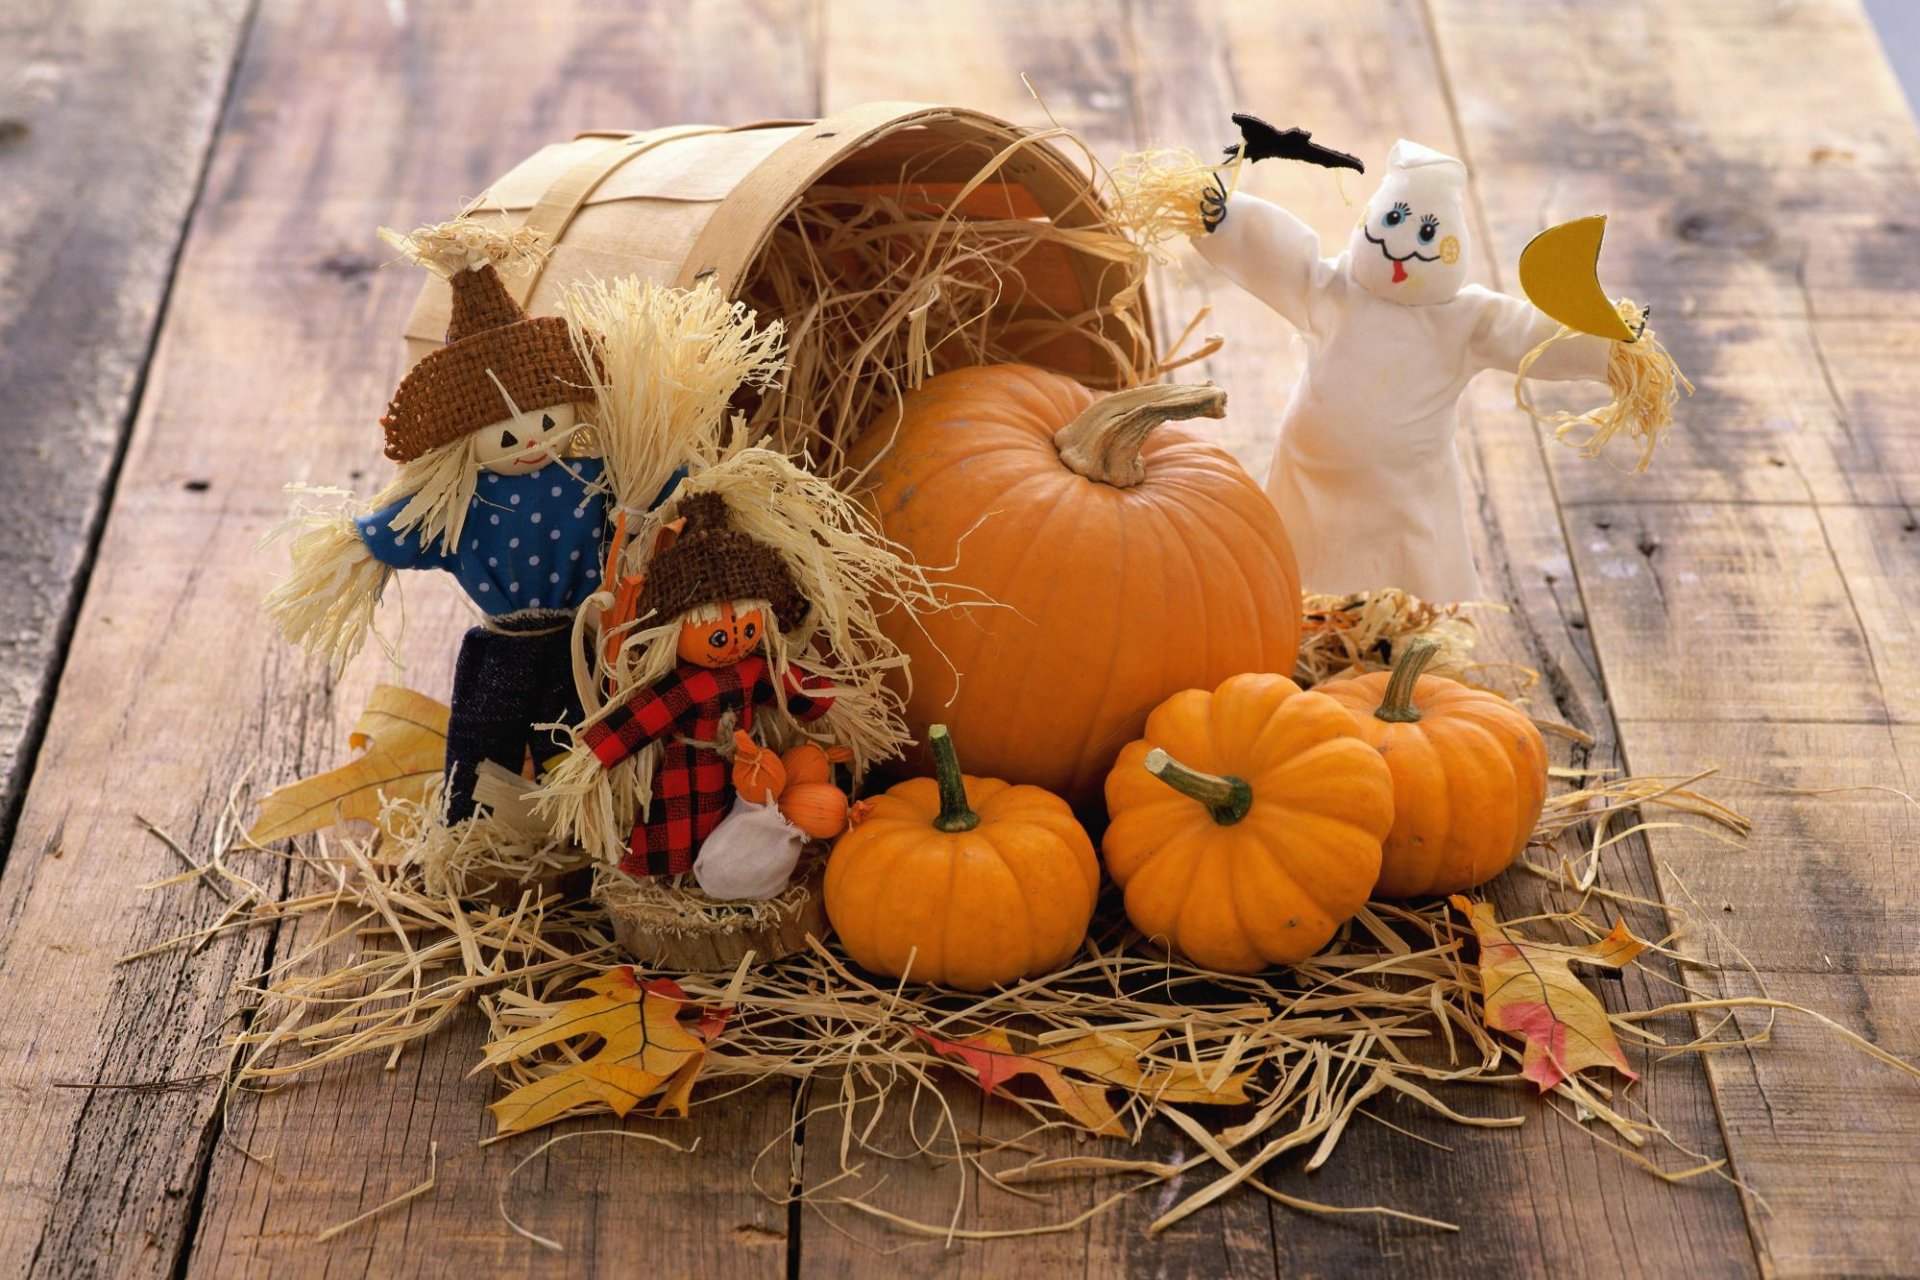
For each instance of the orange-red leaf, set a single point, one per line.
(1530, 992)
(1110, 1058)
(646, 1048)
(402, 736)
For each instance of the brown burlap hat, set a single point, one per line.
(452, 393)
(711, 563)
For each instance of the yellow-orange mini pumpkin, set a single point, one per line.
(1469, 775)
(1247, 823)
(974, 882)
(1133, 557)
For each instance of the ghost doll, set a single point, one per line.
(1365, 473)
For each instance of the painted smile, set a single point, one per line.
(1409, 256)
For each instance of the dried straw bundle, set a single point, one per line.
(1156, 194)
(881, 290)
(1343, 636)
(462, 244)
(326, 605)
(1646, 385)
(663, 365)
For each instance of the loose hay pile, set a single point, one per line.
(1392, 1008)
(883, 285)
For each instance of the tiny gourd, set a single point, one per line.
(1246, 823)
(1469, 775)
(967, 882)
(817, 808)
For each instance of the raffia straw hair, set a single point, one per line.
(462, 243)
(1646, 385)
(664, 364)
(1156, 194)
(326, 605)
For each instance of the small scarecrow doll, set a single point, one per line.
(728, 597)
(1365, 473)
(491, 489)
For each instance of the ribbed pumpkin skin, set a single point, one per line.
(1469, 778)
(1275, 886)
(1007, 900)
(1114, 597)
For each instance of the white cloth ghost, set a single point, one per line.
(1365, 474)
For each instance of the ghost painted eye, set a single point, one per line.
(1397, 215)
(1429, 228)
(719, 639)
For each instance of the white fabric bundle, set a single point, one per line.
(750, 855)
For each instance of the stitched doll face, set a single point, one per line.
(526, 442)
(1411, 245)
(722, 641)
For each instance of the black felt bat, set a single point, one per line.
(1264, 142)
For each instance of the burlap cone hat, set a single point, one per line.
(496, 360)
(711, 563)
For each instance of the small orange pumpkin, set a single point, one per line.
(962, 881)
(817, 808)
(1469, 775)
(1247, 823)
(811, 762)
(758, 774)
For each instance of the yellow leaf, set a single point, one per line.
(1530, 992)
(403, 739)
(645, 1048)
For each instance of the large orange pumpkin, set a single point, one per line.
(1130, 560)
(1247, 823)
(1469, 775)
(973, 882)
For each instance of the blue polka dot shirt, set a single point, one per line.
(530, 542)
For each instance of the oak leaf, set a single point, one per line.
(1110, 1058)
(402, 738)
(646, 1048)
(1530, 991)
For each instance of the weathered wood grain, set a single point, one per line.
(1750, 625)
(277, 357)
(106, 112)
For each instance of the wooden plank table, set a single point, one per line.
(207, 272)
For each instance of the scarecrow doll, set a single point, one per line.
(724, 599)
(494, 489)
(1365, 473)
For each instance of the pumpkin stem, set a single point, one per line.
(1228, 798)
(955, 815)
(1103, 443)
(1396, 707)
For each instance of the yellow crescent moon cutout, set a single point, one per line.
(1560, 272)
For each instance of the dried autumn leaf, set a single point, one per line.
(402, 736)
(646, 1049)
(1530, 992)
(1111, 1058)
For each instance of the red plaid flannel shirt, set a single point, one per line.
(694, 786)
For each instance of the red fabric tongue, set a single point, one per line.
(1399, 272)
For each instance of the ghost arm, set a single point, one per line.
(1271, 254)
(1509, 328)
